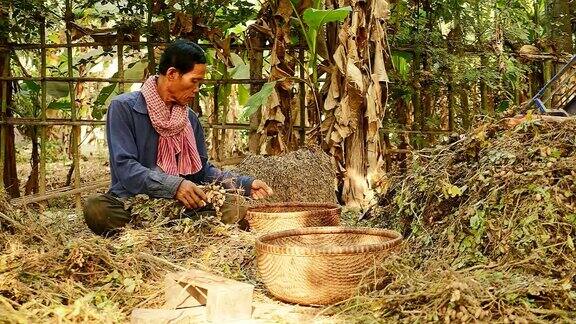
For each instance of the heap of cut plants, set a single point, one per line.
(490, 225)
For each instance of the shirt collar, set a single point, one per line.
(140, 105)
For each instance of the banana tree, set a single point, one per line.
(311, 22)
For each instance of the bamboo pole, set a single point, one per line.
(239, 126)
(118, 80)
(302, 96)
(50, 121)
(149, 44)
(215, 121)
(43, 139)
(4, 109)
(59, 193)
(224, 119)
(33, 46)
(74, 112)
(408, 49)
(120, 63)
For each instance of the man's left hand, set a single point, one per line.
(261, 190)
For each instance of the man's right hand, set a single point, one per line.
(191, 195)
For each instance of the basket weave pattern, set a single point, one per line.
(284, 216)
(320, 265)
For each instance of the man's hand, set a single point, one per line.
(260, 189)
(191, 195)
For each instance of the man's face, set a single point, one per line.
(184, 87)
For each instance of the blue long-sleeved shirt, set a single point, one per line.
(133, 146)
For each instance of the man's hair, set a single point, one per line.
(181, 55)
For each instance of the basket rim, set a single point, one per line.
(263, 247)
(260, 210)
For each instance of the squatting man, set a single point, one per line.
(156, 145)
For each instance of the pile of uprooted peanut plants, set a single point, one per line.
(490, 222)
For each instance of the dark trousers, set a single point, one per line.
(105, 214)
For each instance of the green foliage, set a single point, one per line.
(99, 108)
(401, 62)
(316, 18)
(134, 70)
(257, 100)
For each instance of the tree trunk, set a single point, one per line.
(32, 182)
(416, 88)
(475, 103)
(464, 102)
(275, 125)
(427, 109)
(354, 105)
(256, 41)
(10, 176)
(561, 26)
(428, 96)
(484, 89)
(451, 101)
(355, 186)
(573, 20)
(547, 67)
(401, 109)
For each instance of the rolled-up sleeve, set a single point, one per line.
(133, 176)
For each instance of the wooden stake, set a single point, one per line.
(4, 108)
(43, 139)
(74, 111)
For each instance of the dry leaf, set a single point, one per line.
(373, 102)
(344, 33)
(342, 113)
(335, 137)
(342, 131)
(379, 74)
(340, 59)
(354, 75)
(380, 9)
(284, 10)
(333, 92)
(182, 24)
(352, 50)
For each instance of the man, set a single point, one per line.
(156, 144)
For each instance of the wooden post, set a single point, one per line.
(43, 139)
(74, 112)
(3, 111)
(302, 95)
(547, 71)
(255, 40)
(224, 119)
(484, 100)
(464, 102)
(149, 44)
(120, 54)
(215, 120)
(451, 101)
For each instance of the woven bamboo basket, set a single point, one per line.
(284, 216)
(320, 265)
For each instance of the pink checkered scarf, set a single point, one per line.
(176, 134)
